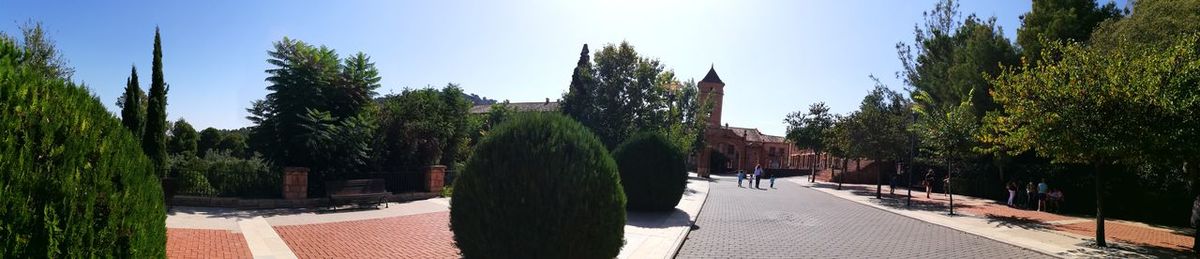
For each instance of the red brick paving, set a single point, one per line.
(415, 236)
(1127, 233)
(1132, 234)
(205, 243)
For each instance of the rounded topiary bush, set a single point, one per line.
(653, 172)
(539, 186)
(74, 182)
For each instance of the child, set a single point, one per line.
(741, 176)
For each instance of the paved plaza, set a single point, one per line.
(793, 221)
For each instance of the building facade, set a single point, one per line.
(743, 148)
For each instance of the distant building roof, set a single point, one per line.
(753, 135)
(712, 77)
(546, 106)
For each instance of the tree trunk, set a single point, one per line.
(1099, 206)
(1195, 176)
(950, 172)
(845, 163)
(878, 179)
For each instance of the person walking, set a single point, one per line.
(1042, 188)
(741, 176)
(1031, 195)
(1012, 192)
(772, 177)
(928, 182)
(758, 173)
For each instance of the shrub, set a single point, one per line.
(221, 174)
(539, 186)
(73, 180)
(653, 171)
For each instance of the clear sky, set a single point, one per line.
(775, 56)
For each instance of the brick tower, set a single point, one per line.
(712, 87)
(711, 90)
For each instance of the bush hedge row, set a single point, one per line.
(73, 181)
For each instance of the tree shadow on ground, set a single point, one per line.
(1124, 250)
(658, 219)
(1016, 222)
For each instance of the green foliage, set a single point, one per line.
(883, 119)
(947, 133)
(1061, 20)
(653, 172)
(418, 128)
(317, 111)
(209, 139)
(73, 181)
(41, 54)
(183, 138)
(808, 130)
(1152, 26)
(539, 186)
(950, 59)
(133, 105)
(219, 173)
(235, 143)
(154, 138)
(345, 144)
(623, 93)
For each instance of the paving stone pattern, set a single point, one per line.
(796, 222)
(185, 243)
(416, 236)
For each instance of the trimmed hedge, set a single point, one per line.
(653, 172)
(539, 186)
(74, 182)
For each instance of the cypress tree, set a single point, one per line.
(579, 100)
(154, 139)
(133, 105)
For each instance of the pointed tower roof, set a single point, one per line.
(712, 77)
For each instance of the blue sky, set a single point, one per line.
(775, 56)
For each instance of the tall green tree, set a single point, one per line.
(133, 105)
(154, 138)
(422, 127)
(1101, 107)
(1061, 20)
(579, 101)
(313, 95)
(40, 52)
(183, 138)
(627, 93)
(1153, 25)
(950, 58)
(807, 130)
(209, 139)
(883, 121)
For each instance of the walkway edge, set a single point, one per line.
(262, 239)
(1032, 245)
(683, 236)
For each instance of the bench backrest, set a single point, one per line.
(357, 186)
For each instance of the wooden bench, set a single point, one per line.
(360, 192)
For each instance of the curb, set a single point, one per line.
(683, 236)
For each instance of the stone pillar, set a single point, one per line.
(295, 183)
(435, 178)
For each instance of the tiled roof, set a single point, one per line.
(521, 107)
(753, 135)
(712, 77)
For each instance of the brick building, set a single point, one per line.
(744, 147)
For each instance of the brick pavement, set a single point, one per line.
(415, 236)
(1133, 233)
(205, 243)
(796, 222)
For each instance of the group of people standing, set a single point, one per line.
(1038, 196)
(753, 179)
